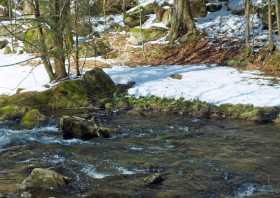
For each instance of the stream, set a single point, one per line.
(196, 158)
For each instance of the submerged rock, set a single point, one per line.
(155, 179)
(44, 179)
(76, 127)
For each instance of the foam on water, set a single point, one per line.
(43, 135)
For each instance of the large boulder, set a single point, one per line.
(44, 179)
(99, 84)
(80, 128)
(95, 88)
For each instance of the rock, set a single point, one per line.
(148, 8)
(3, 43)
(112, 7)
(155, 179)
(214, 7)
(198, 8)
(31, 40)
(96, 47)
(236, 6)
(75, 127)
(44, 179)
(8, 50)
(133, 20)
(99, 83)
(176, 76)
(32, 119)
(132, 17)
(85, 28)
(11, 112)
(137, 36)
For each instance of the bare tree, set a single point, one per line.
(277, 10)
(270, 39)
(247, 27)
(43, 48)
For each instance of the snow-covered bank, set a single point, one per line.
(29, 78)
(213, 84)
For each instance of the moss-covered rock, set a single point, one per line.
(32, 118)
(11, 112)
(8, 50)
(31, 40)
(44, 179)
(76, 127)
(70, 94)
(96, 47)
(84, 28)
(138, 35)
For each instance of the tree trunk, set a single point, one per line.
(270, 39)
(277, 10)
(43, 47)
(182, 21)
(247, 28)
(58, 12)
(77, 52)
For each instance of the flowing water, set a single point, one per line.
(196, 158)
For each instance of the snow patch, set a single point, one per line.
(214, 84)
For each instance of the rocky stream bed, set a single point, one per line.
(153, 156)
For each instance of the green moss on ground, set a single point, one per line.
(196, 108)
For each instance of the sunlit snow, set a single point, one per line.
(213, 84)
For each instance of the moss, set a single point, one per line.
(31, 40)
(95, 88)
(139, 35)
(97, 47)
(241, 59)
(69, 94)
(11, 112)
(148, 105)
(32, 118)
(8, 50)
